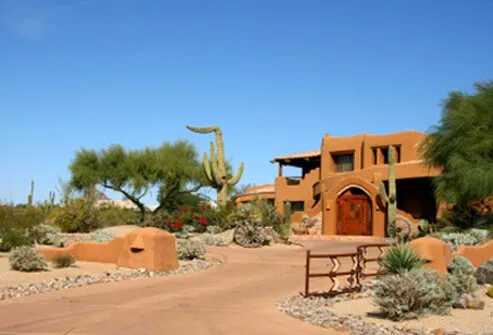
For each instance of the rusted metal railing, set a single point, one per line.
(357, 271)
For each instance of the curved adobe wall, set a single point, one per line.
(330, 205)
(264, 191)
(87, 251)
(477, 254)
(150, 248)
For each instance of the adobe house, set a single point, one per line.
(340, 183)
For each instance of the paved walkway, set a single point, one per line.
(239, 297)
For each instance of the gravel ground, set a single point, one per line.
(319, 311)
(62, 283)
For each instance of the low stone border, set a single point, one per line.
(63, 283)
(316, 310)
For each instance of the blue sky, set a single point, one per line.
(275, 75)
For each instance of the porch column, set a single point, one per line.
(280, 170)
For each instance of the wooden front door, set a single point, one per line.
(354, 215)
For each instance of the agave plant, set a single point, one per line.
(400, 258)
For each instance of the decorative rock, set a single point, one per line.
(228, 236)
(484, 273)
(315, 310)
(475, 304)
(463, 301)
(62, 283)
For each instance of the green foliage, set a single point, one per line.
(457, 285)
(47, 234)
(213, 240)
(17, 225)
(102, 236)
(110, 216)
(455, 240)
(189, 249)
(250, 233)
(462, 144)
(26, 259)
(400, 258)
(461, 215)
(411, 294)
(63, 261)
(460, 266)
(268, 215)
(78, 215)
(173, 168)
(216, 167)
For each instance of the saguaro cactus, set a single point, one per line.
(215, 168)
(30, 196)
(390, 198)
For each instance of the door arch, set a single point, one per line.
(354, 213)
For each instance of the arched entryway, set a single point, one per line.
(354, 212)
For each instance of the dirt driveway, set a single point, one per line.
(238, 297)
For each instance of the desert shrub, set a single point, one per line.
(250, 234)
(460, 265)
(12, 238)
(63, 261)
(456, 240)
(189, 249)
(77, 216)
(410, 294)
(17, 224)
(26, 259)
(185, 232)
(461, 216)
(400, 258)
(213, 240)
(114, 216)
(213, 230)
(269, 215)
(481, 235)
(457, 285)
(102, 236)
(45, 234)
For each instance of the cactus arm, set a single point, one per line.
(207, 168)
(392, 187)
(237, 177)
(383, 193)
(203, 130)
(214, 169)
(221, 161)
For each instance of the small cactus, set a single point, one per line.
(30, 197)
(390, 197)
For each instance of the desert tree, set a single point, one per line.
(173, 169)
(462, 146)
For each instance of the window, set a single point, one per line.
(344, 163)
(297, 206)
(374, 156)
(385, 154)
(397, 154)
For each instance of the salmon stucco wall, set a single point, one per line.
(302, 191)
(87, 251)
(149, 248)
(477, 254)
